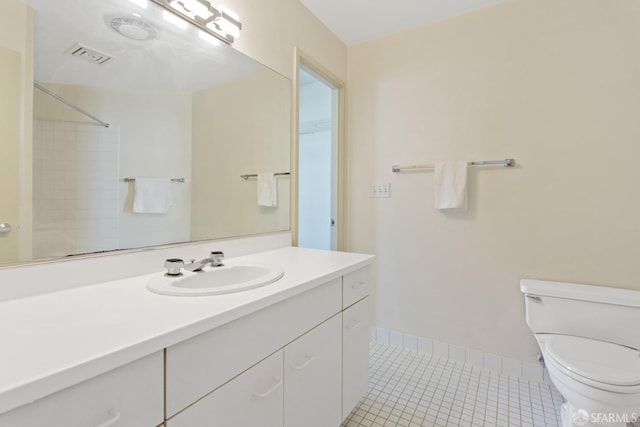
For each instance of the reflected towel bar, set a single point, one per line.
(245, 177)
(172, 179)
(509, 163)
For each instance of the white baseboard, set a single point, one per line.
(532, 371)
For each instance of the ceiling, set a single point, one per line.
(357, 21)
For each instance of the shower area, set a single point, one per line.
(75, 180)
(84, 168)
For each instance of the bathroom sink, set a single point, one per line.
(216, 280)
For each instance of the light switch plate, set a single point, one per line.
(380, 190)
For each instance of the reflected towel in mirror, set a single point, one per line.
(152, 195)
(267, 190)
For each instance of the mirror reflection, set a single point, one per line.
(142, 129)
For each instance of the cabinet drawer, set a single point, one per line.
(355, 286)
(355, 361)
(130, 396)
(313, 377)
(201, 364)
(254, 398)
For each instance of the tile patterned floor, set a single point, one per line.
(412, 389)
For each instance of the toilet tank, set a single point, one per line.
(597, 312)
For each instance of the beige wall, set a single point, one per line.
(10, 70)
(16, 26)
(155, 141)
(556, 85)
(242, 127)
(272, 28)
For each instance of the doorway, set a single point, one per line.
(319, 137)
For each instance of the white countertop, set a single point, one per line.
(51, 341)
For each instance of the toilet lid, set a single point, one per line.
(596, 360)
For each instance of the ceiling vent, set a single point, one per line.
(89, 54)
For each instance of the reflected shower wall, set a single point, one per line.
(153, 134)
(75, 188)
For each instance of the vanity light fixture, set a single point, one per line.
(191, 8)
(230, 24)
(221, 23)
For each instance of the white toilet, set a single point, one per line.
(590, 341)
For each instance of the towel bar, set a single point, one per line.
(253, 175)
(172, 179)
(509, 163)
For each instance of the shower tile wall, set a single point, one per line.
(75, 188)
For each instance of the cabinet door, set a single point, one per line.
(254, 398)
(312, 377)
(130, 396)
(355, 362)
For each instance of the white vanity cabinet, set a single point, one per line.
(313, 377)
(130, 396)
(280, 366)
(355, 286)
(297, 360)
(201, 364)
(299, 385)
(355, 350)
(254, 398)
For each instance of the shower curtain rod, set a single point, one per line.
(69, 104)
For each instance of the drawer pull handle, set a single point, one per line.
(353, 324)
(305, 364)
(359, 285)
(114, 417)
(271, 390)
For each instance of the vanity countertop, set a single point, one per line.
(55, 340)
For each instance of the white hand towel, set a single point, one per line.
(450, 185)
(152, 195)
(267, 190)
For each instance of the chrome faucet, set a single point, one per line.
(215, 260)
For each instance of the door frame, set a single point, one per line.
(322, 73)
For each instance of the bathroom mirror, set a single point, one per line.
(179, 106)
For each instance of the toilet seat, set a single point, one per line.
(597, 363)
